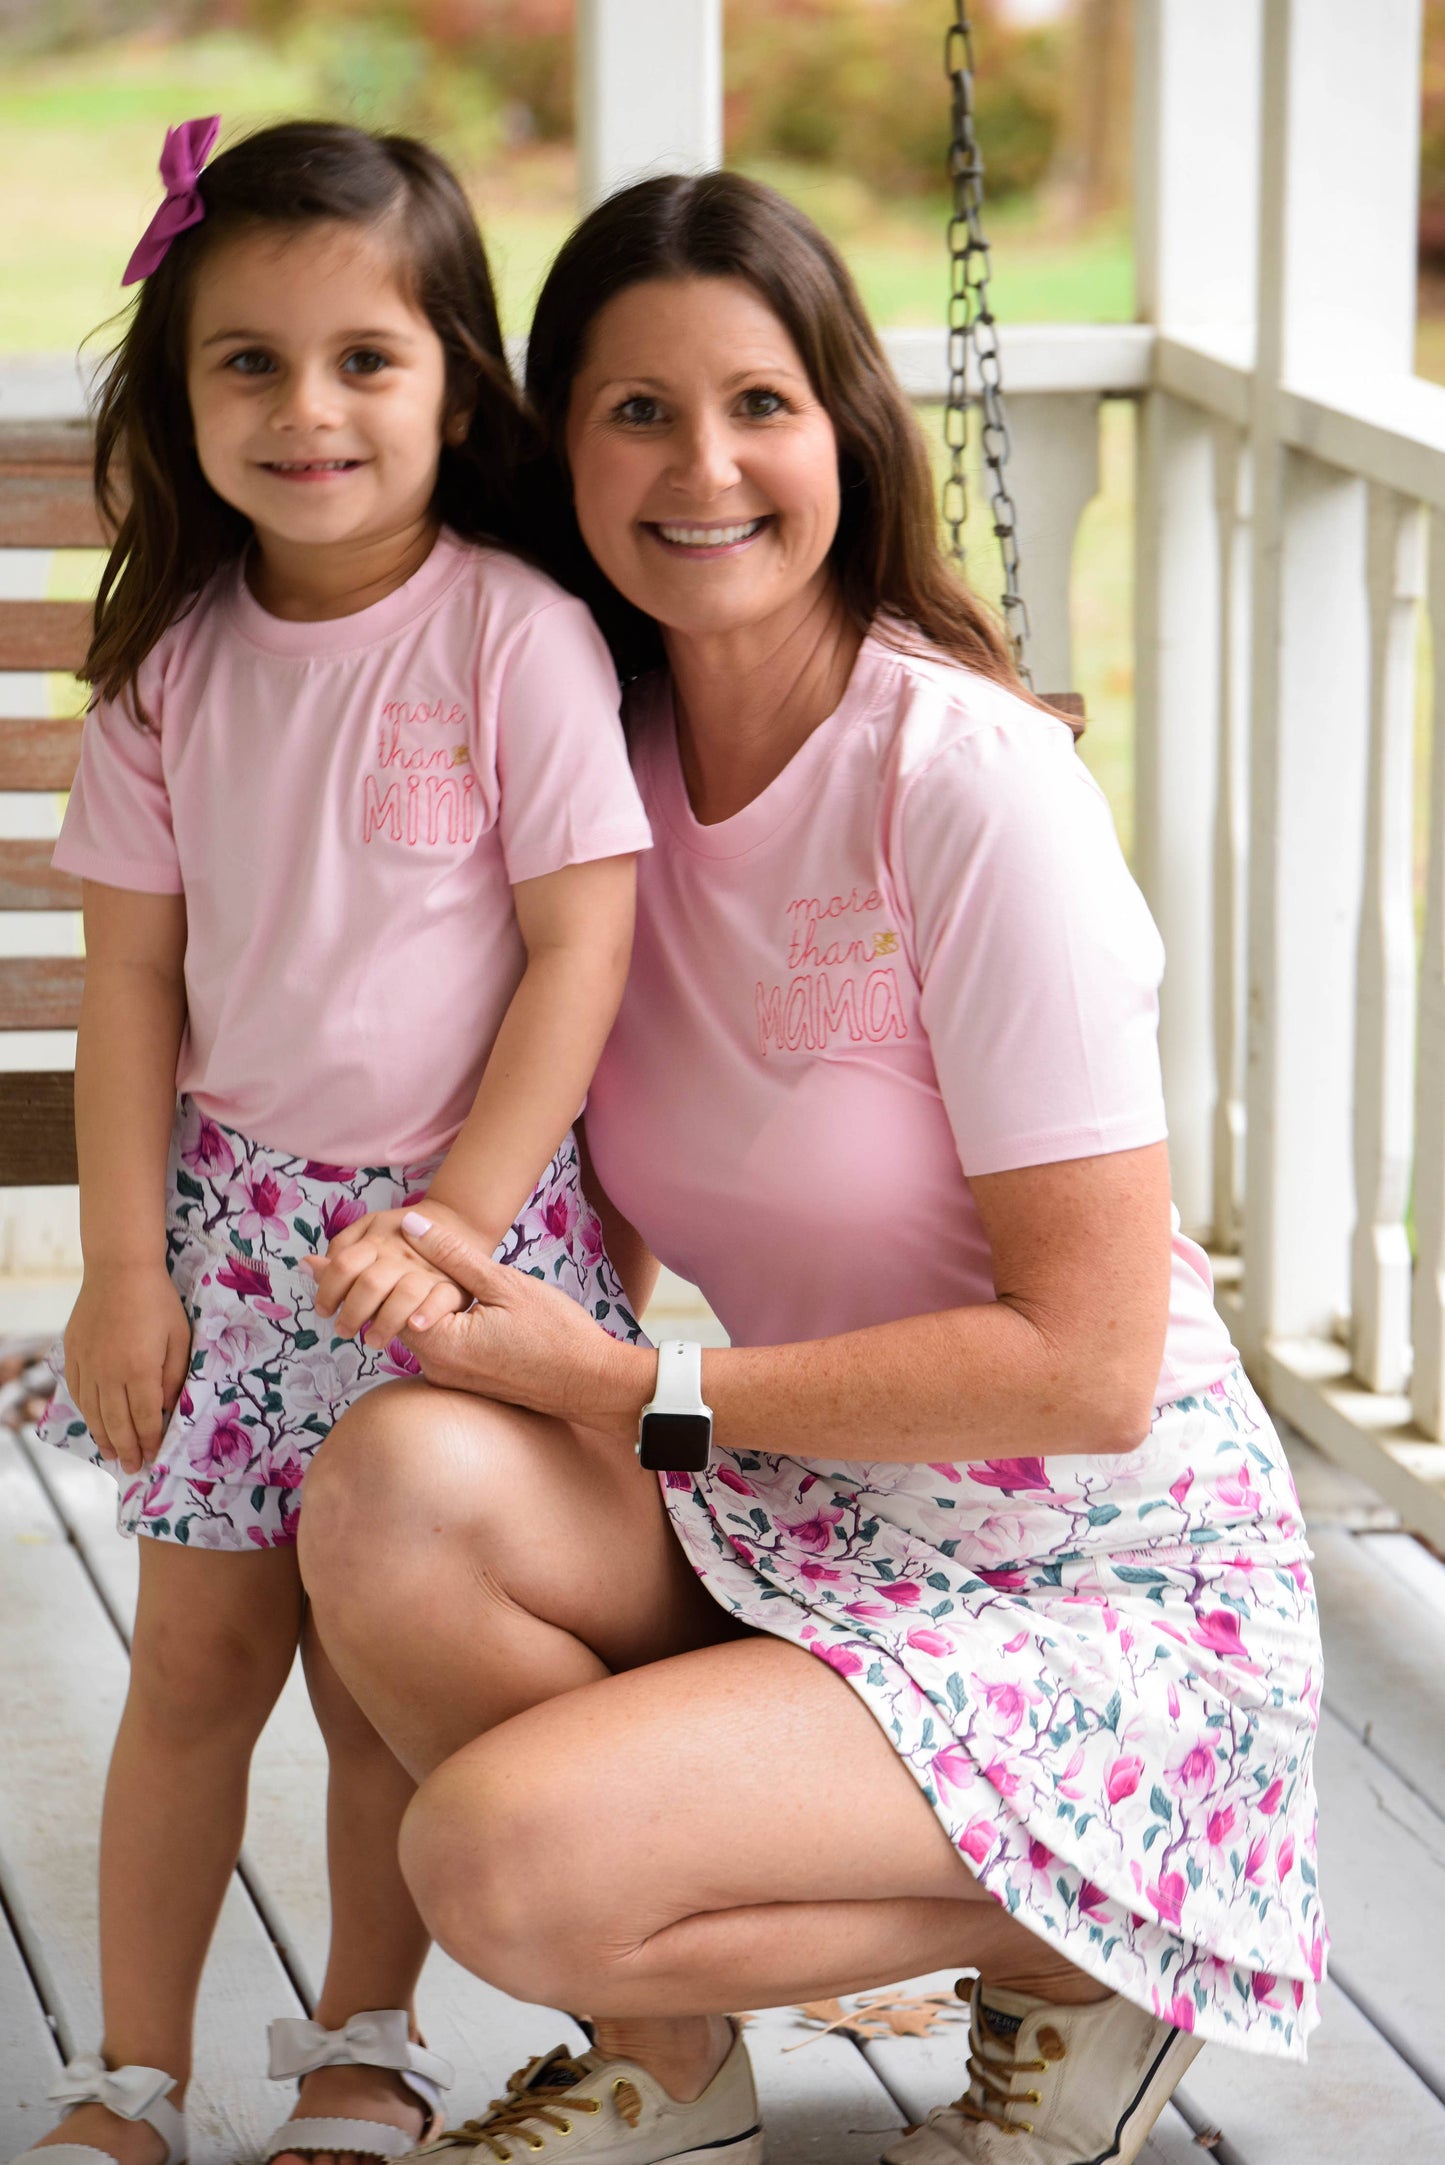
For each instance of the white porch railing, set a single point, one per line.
(1291, 489)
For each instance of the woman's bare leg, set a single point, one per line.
(512, 1564)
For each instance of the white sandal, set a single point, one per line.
(377, 2039)
(131, 2093)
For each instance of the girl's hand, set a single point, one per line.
(372, 1281)
(523, 1342)
(127, 1349)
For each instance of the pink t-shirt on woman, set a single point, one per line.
(346, 807)
(917, 956)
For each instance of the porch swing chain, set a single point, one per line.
(972, 327)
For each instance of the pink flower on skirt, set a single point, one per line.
(1091, 1899)
(1167, 1895)
(952, 1767)
(1269, 1802)
(1180, 2012)
(589, 1239)
(841, 1658)
(227, 1449)
(816, 1532)
(1219, 1631)
(735, 1481)
(1194, 1769)
(930, 1642)
(269, 1198)
(251, 1280)
(210, 1152)
(1011, 1474)
(1009, 1703)
(977, 1839)
(1122, 1778)
(397, 1361)
(1221, 1826)
(1284, 1863)
(339, 1211)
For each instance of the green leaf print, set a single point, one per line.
(602, 1311)
(161, 1530)
(183, 1529)
(939, 1581)
(309, 1233)
(243, 1247)
(304, 1341)
(185, 1185)
(274, 1403)
(1159, 1803)
(1112, 1712)
(1195, 1875)
(1140, 1575)
(957, 1696)
(1101, 1513)
(876, 1679)
(258, 1498)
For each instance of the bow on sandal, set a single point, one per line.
(377, 2039)
(131, 2093)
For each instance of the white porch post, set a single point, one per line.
(649, 91)
(1197, 120)
(1340, 140)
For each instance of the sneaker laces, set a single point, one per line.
(991, 2076)
(535, 2094)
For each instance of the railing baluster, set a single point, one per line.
(1428, 1390)
(1385, 1007)
(1234, 503)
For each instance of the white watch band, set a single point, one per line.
(679, 1379)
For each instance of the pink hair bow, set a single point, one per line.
(186, 151)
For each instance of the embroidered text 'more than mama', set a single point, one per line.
(825, 1000)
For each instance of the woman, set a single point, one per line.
(885, 1086)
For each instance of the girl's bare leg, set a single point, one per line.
(521, 1577)
(378, 1942)
(214, 1637)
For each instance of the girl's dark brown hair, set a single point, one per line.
(172, 531)
(886, 554)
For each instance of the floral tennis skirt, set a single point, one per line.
(267, 1378)
(1104, 1674)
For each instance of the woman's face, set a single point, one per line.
(704, 469)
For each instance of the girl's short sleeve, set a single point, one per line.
(117, 826)
(1039, 961)
(567, 793)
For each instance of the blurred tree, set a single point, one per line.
(1432, 141)
(1093, 167)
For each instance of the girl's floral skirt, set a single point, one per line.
(1104, 1674)
(267, 1378)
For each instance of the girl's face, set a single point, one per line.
(317, 387)
(704, 469)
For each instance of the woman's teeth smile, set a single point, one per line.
(708, 540)
(310, 469)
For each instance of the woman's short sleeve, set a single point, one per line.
(567, 793)
(117, 826)
(1039, 961)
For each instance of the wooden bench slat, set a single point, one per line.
(40, 992)
(39, 751)
(43, 634)
(37, 1130)
(48, 511)
(28, 880)
(26, 446)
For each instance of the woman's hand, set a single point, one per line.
(523, 1342)
(127, 1349)
(373, 1283)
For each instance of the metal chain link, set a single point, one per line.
(972, 329)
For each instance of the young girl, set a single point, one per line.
(356, 828)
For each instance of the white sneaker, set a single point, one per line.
(1052, 2085)
(586, 2109)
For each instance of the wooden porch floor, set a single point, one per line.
(1374, 2090)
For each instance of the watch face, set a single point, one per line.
(675, 1442)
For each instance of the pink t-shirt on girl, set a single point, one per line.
(346, 807)
(917, 956)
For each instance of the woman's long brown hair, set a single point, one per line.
(887, 554)
(172, 531)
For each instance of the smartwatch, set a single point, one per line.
(676, 1432)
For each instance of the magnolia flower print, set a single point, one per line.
(267, 1380)
(1070, 1657)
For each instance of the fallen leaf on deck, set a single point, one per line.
(878, 2014)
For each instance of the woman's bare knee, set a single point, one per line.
(483, 1846)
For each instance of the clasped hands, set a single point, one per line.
(477, 1325)
(374, 1285)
